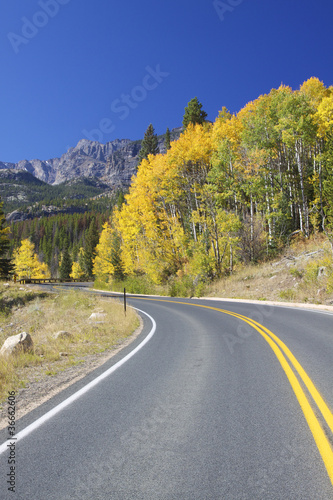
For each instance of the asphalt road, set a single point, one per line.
(204, 410)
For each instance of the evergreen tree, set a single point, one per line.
(167, 139)
(66, 264)
(194, 113)
(116, 261)
(91, 242)
(149, 145)
(5, 264)
(81, 261)
(121, 199)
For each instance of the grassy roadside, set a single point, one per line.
(42, 315)
(302, 273)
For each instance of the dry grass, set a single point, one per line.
(42, 316)
(293, 277)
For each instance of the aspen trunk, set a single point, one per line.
(305, 210)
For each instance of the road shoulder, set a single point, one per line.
(38, 392)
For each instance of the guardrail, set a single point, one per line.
(48, 280)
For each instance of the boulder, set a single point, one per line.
(16, 343)
(62, 334)
(97, 316)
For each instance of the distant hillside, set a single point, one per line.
(25, 196)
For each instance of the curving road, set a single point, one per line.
(213, 406)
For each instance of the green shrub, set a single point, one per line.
(133, 284)
(186, 286)
(101, 285)
(312, 270)
(296, 272)
(200, 289)
(181, 287)
(288, 294)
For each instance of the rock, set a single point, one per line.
(97, 316)
(322, 272)
(310, 254)
(16, 343)
(62, 334)
(16, 216)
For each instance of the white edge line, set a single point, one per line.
(40, 421)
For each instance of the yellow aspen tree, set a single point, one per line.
(77, 272)
(27, 264)
(314, 90)
(40, 269)
(102, 263)
(324, 114)
(148, 224)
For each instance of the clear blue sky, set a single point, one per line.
(69, 67)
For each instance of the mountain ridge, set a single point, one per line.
(114, 162)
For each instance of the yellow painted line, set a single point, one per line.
(325, 411)
(274, 342)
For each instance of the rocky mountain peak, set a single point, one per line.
(114, 163)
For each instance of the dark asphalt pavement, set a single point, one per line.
(203, 411)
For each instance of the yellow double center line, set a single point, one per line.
(282, 353)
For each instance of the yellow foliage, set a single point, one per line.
(180, 213)
(155, 238)
(104, 251)
(27, 264)
(324, 114)
(315, 90)
(76, 271)
(194, 145)
(227, 130)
